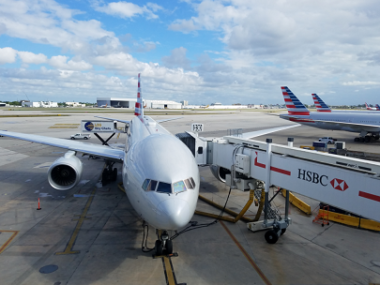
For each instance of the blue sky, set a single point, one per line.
(237, 51)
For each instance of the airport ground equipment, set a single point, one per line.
(348, 183)
(80, 136)
(97, 126)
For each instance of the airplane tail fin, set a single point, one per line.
(139, 107)
(366, 105)
(377, 107)
(294, 106)
(319, 104)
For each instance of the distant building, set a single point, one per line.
(75, 104)
(184, 103)
(2, 104)
(216, 104)
(130, 103)
(40, 104)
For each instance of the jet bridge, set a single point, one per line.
(348, 183)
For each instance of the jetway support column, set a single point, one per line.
(267, 181)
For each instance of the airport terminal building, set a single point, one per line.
(130, 103)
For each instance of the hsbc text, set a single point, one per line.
(313, 177)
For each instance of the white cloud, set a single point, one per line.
(7, 55)
(361, 83)
(32, 58)
(46, 22)
(128, 10)
(60, 62)
(177, 59)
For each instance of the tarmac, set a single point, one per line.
(91, 234)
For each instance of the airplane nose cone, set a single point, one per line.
(175, 214)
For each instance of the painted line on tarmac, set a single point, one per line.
(168, 267)
(3, 247)
(70, 244)
(250, 260)
(82, 218)
(169, 271)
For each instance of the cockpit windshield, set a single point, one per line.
(162, 187)
(179, 187)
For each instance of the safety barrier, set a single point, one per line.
(353, 221)
(295, 201)
(369, 225)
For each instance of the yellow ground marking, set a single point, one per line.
(250, 260)
(169, 271)
(64, 126)
(2, 248)
(74, 236)
(121, 187)
(167, 266)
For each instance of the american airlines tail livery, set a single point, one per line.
(319, 104)
(377, 108)
(366, 124)
(160, 174)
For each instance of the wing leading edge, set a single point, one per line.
(254, 134)
(93, 149)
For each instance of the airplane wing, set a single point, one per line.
(254, 134)
(337, 123)
(166, 120)
(128, 122)
(117, 120)
(334, 123)
(89, 148)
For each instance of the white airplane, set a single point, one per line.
(372, 108)
(367, 124)
(160, 174)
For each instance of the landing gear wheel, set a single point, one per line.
(356, 139)
(169, 246)
(114, 174)
(158, 247)
(283, 231)
(271, 237)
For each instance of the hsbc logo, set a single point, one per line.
(339, 184)
(313, 177)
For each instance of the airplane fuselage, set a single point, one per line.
(154, 158)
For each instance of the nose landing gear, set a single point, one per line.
(164, 245)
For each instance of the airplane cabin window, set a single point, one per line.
(152, 185)
(190, 184)
(164, 187)
(179, 187)
(145, 184)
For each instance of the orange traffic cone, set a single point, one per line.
(39, 204)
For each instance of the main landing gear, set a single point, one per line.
(109, 174)
(164, 245)
(367, 139)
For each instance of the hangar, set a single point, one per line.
(130, 103)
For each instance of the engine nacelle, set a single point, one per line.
(219, 172)
(65, 172)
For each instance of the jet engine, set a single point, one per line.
(220, 172)
(65, 172)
